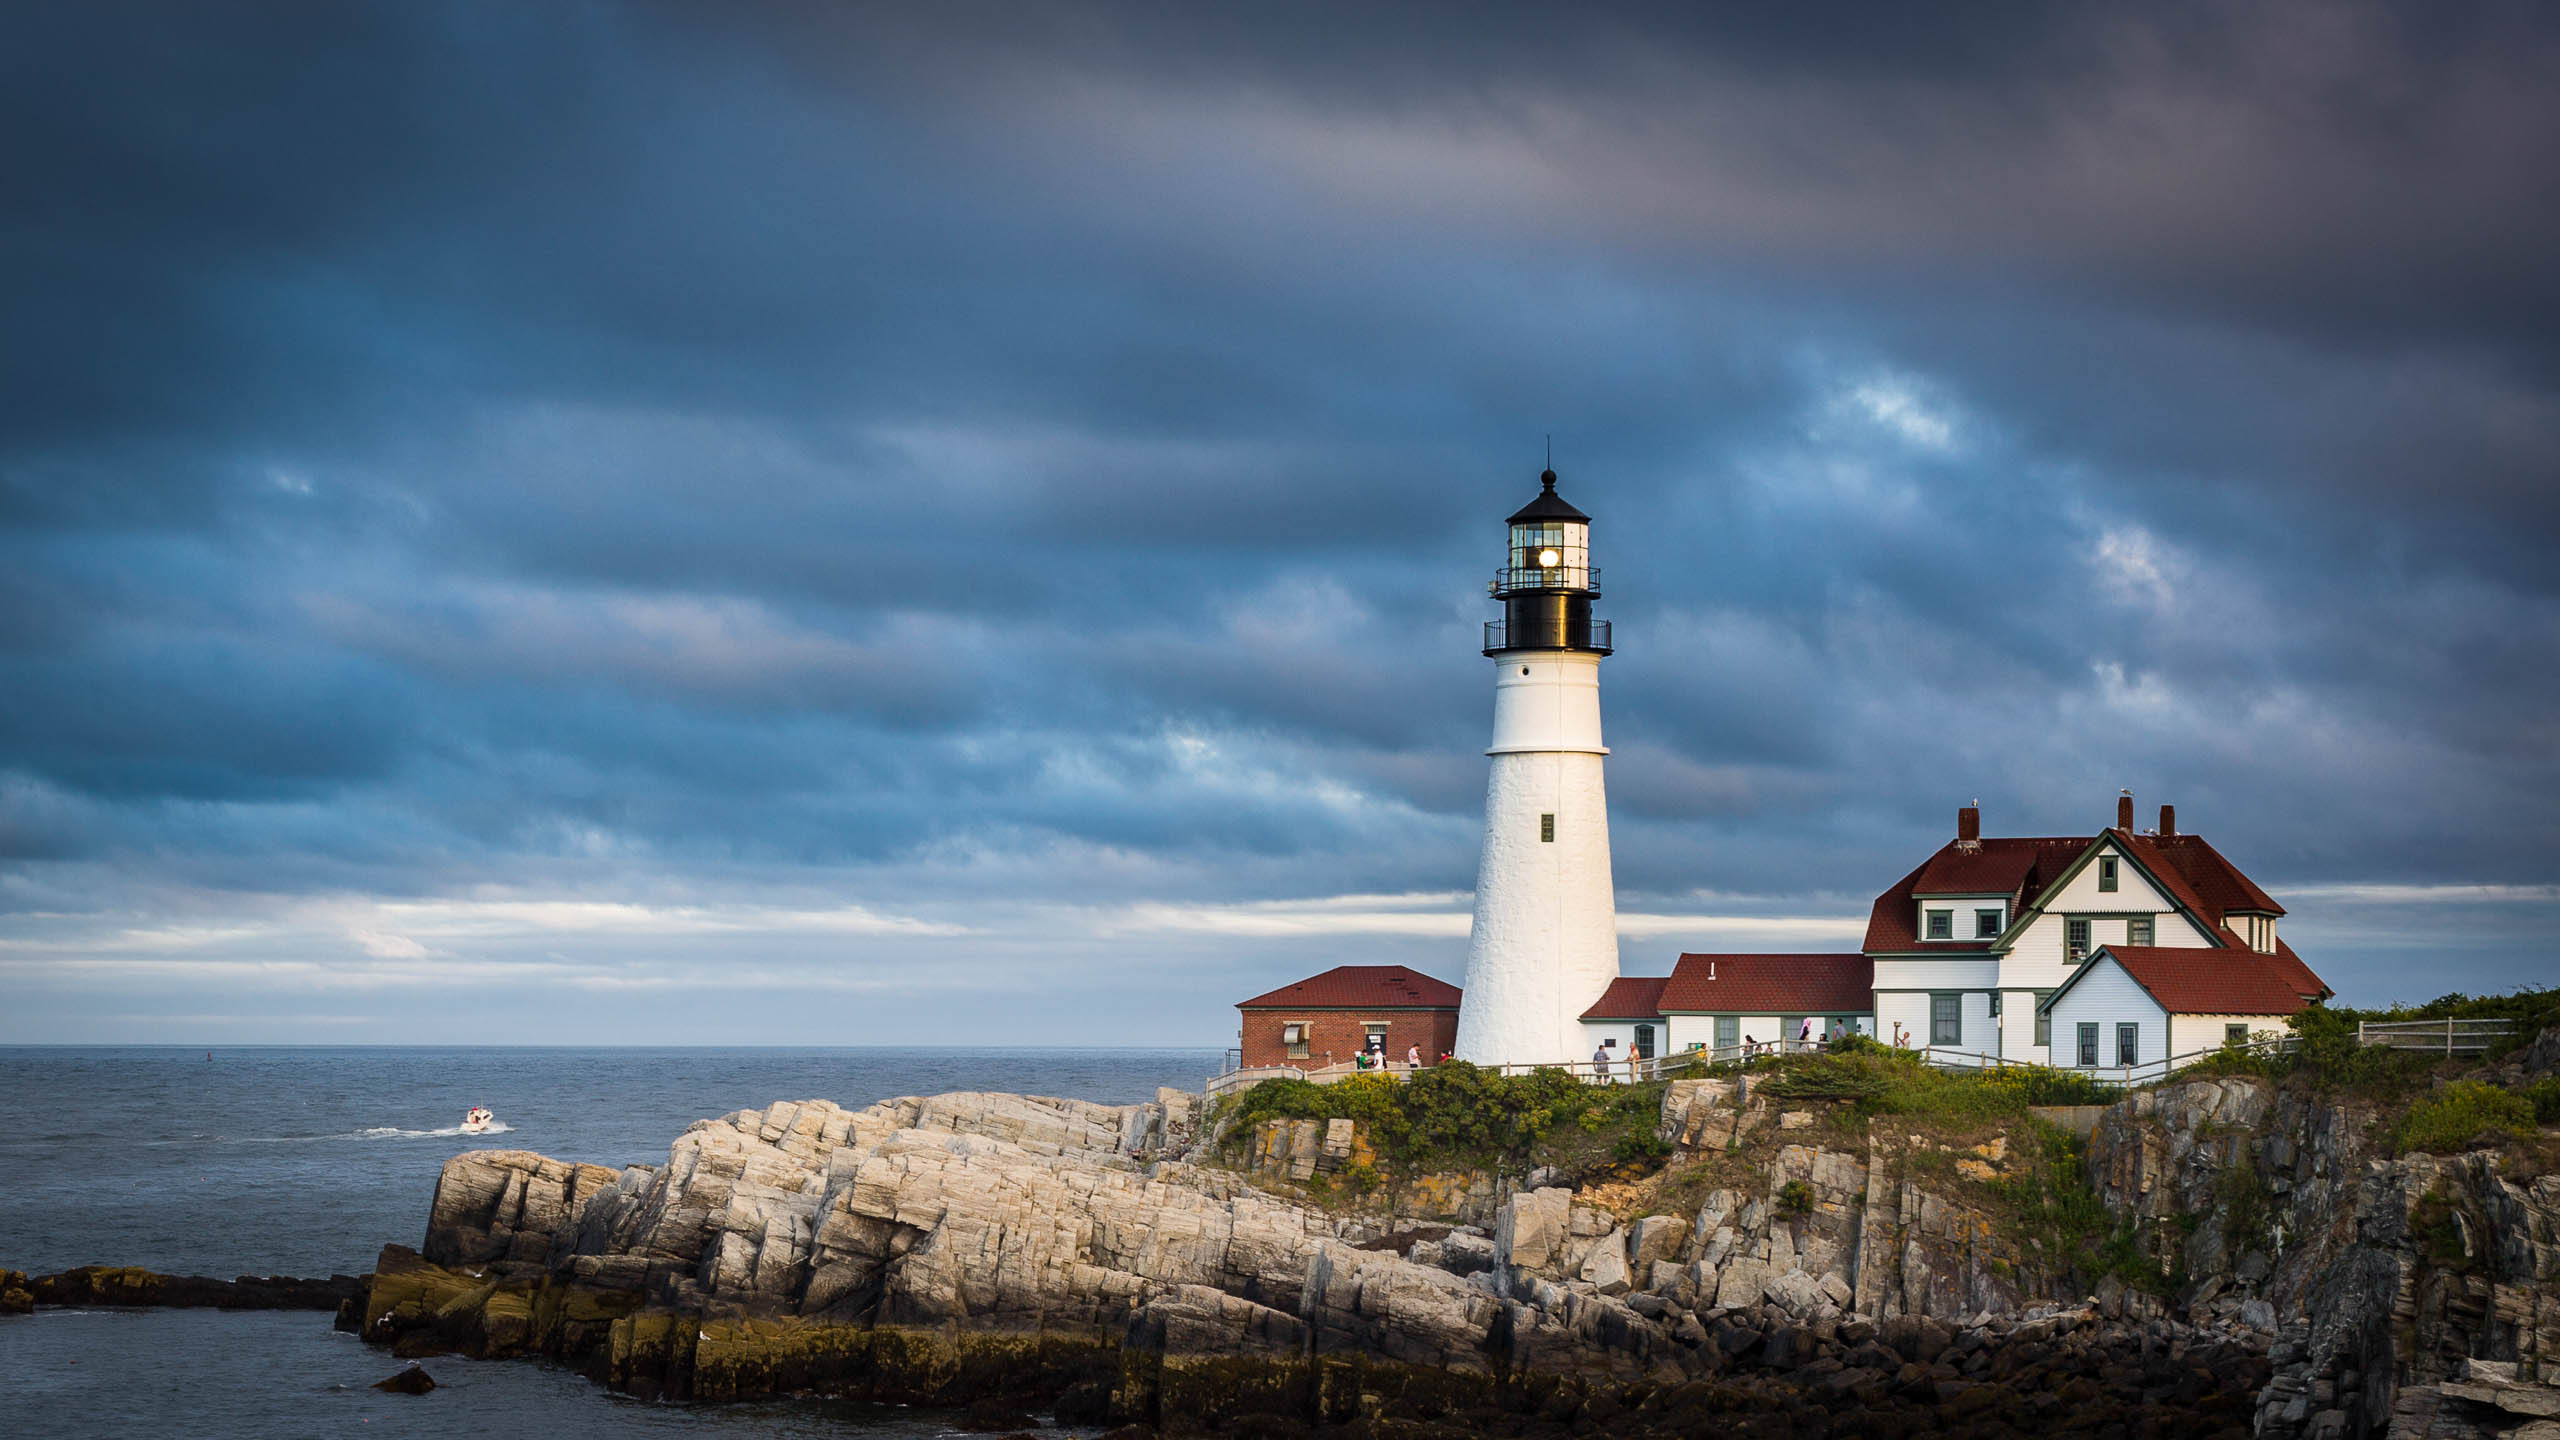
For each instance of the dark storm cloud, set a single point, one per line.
(1046, 455)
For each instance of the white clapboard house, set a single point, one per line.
(2008, 948)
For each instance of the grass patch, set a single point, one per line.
(2465, 1115)
(1883, 1081)
(1461, 1115)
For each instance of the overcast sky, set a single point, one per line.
(598, 523)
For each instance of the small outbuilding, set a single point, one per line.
(1328, 1018)
(2132, 1006)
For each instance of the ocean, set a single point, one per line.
(306, 1160)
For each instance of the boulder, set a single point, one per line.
(1655, 1238)
(411, 1381)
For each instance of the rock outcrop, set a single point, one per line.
(2389, 1282)
(125, 1285)
(1004, 1248)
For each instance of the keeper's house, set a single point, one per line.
(1331, 1017)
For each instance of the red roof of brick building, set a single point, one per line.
(1360, 987)
(1630, 997)
(1771, 985)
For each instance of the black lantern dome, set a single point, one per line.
(1547, 584)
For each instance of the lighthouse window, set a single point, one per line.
(1547, 829)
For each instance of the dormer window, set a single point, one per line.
(1986, 924)
(1942, 925)
(2106, 872)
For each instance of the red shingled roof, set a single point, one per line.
(1771, 985)
(1630, 997)
(2213, 885)
(1360, 987)
(2217, 982)
(2033, 861)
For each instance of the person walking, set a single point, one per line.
(1804, 1033)
(1413, 1057)
(1600, 1062)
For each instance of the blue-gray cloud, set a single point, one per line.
(796, 456)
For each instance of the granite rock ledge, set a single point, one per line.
(978, 1246)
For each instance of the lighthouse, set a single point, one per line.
(1545, 939)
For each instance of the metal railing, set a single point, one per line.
(1497, 637)
(2445, 1037)
(1509, 578)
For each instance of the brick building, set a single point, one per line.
(1332, 1017)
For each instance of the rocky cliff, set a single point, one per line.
(2415, 1296)
(974, 1246)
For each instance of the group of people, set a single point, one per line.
(1375, 1056)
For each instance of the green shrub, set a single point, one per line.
(1643, 1148)
(1457, 1112)
(1795, 1199)
(2545, 1096)
(2464, 1115)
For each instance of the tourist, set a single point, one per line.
(1413, 1057)
(1600, 1062)
(1804, 1033)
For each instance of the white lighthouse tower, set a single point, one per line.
(1545, 941)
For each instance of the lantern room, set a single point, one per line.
(1547, 586)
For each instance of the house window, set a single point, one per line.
(1942, 924)
(1728, 1031)
(1986, 924)
(2044, 1019)
(1294, 1035)
(2235, 1034)
(1644, 1042)
(1377, 1035)
(2137, 931)
(1995, 1004)
(2106, 872)
(2128, 1044)
(1946, 1019)
(2089, 1043)
(2075, 940)
(1547, 829)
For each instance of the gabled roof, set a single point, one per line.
(2019, 867)
(2190, 872)
(2200, 981)
(1991, 867)
(1630, 997)
(1352, 987)
(2215, 884)
(1771, 985)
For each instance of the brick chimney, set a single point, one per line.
(2168, 819)
(2124, 811)
(1968, 822)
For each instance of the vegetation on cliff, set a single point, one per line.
(1458, 1115)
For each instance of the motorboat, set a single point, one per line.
(478, 1121)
